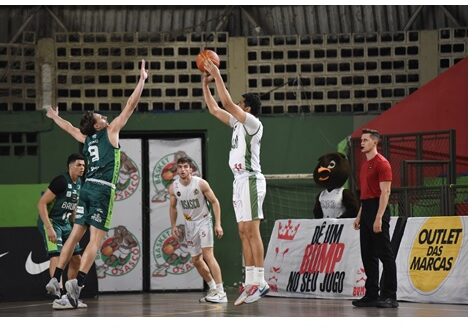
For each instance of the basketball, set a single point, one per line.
(107, 251)
(168, 249)
(204, 54)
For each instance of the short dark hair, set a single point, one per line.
(73, 157)
(86, 124)
(183, 160)
(372, 132)
(253, 101)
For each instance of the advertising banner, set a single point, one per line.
(171, 266)
(432, 260)
(24, 266)
(319, 258)
(119, 260)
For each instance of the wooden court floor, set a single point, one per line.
(185, 304)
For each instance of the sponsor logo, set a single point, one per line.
(119, 253)
(435, 252)
(34, 268)
(3, 254)
(358, 289)
(164, 173)
(287, 231)
(128, 178)
(171, 254)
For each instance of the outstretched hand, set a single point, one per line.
(211, 68)
(52, 112)
(144, 73)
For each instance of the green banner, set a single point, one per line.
(18, 206)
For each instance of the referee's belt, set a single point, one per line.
(102, 182)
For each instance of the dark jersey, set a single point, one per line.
(67, 196)
(103, 160)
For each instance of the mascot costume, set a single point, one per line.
(334, 201)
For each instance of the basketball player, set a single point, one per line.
(102, 151)
(189, 195)
(249, 186)
(57, 207)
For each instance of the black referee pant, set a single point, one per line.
(375, 246)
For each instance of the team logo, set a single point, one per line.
(119, 253)
(164, 173)
(435, 252)
(171, 254)
(128, 178)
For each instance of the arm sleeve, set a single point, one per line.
(58, 185)
(385, 172)
(232, 120)
(252, 124)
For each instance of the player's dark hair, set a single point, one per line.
(183, 160)
(253, 101)
(86, 124)
(73, 157)
(374, 133)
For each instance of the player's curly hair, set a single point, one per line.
(253, 101)
(86, 124)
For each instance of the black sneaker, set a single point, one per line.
(365, 302)
(387, 303)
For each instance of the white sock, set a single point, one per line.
(219, 287)
(249, 278)
(212, 284)
(259, 275)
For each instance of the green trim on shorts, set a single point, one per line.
(110, 210)
(116, 172)
(51, 246)
(253, 197)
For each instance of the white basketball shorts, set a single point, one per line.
(248, 196)
(198, 235)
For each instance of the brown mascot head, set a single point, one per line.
(332, 171)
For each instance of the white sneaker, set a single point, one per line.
(244, 293)
(209, 293)
(73, 292)
(256, 292)
(53, 288)
(64, 303)
(217, 297)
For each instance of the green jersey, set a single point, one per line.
(103, 160)
(67, 195)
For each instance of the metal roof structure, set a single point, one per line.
(244, 21)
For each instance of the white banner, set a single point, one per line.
(319, 258)
(432, 260)
(119, 261)
(171, 266)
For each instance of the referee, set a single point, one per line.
(373, 221)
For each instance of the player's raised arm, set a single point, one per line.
(53, 113)
(223, 93)
(119, 122)
(211, 103)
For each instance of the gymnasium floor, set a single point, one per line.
(186, 304)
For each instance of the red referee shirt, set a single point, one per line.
(373, 172)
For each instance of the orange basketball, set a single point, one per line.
(204, 54)
(107, 251)
(168, 249)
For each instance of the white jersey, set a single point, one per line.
(332, 203)
(244, 157)
(191, 202)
